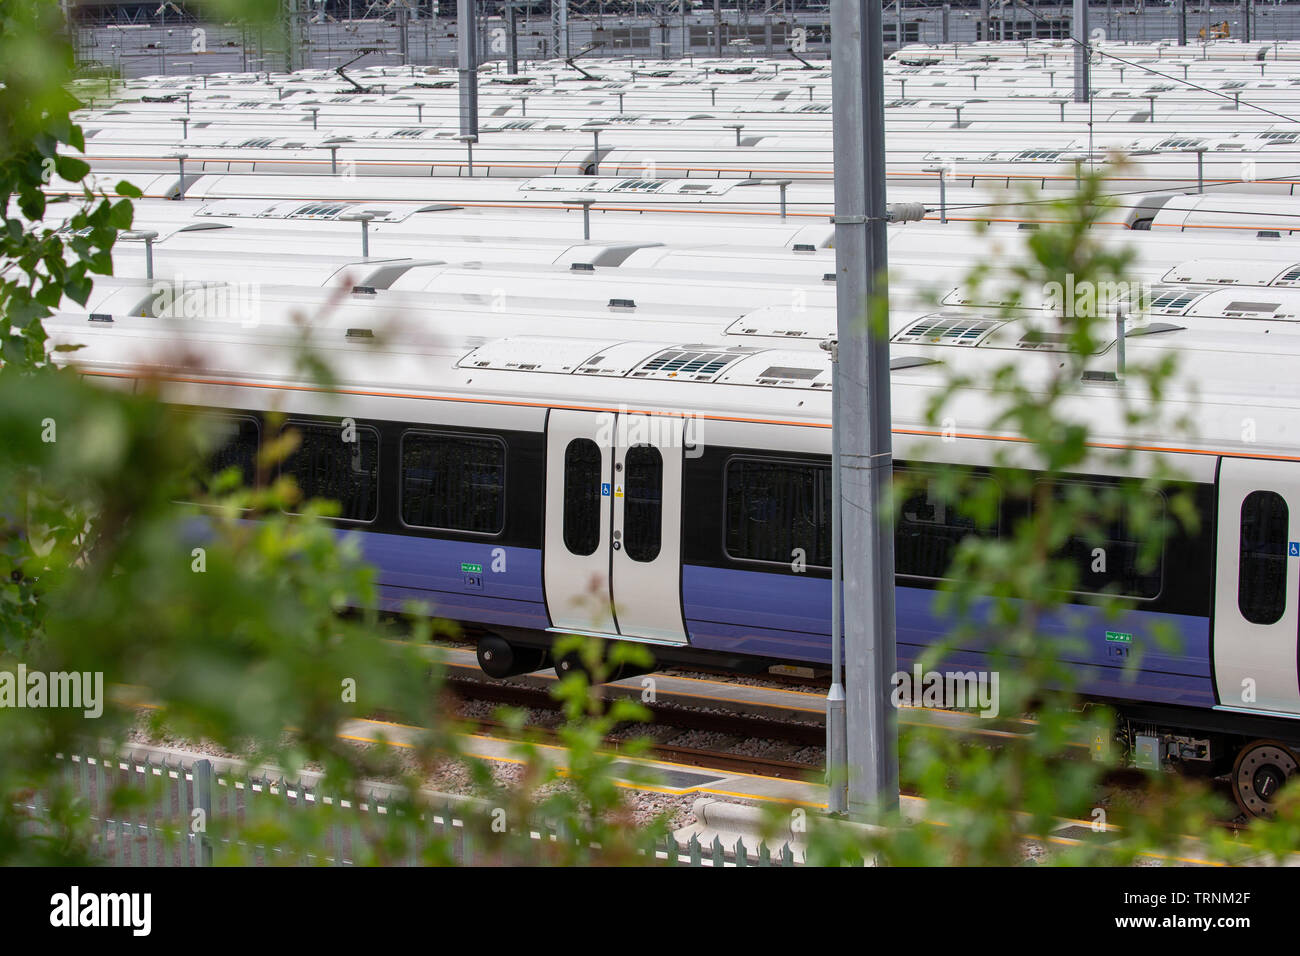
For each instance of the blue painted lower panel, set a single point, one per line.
(507, 591)
(784, 616)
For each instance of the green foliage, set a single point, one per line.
(225, 619)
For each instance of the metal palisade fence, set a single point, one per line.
(166, 810)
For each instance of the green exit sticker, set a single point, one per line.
(1119, 637)
(469, 568)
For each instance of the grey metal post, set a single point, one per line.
(1079, 33)
(783, 184)
(1245, 20)
(1182, 22)
(861, 395)
(315, 113)
(984, 18)
(595, 156)
(1152, 107)
(523, 106)
(586, 218)
(148, 235)
(620, 102)
(837, 757)
(1200, 169)
(185, 125)
(686, 33)
(180, 162)
(419, 112)
(560, 28)
(717, 28)
(512, 29)
(898, 21)
(947, 12)
(467, 67)
(334, 159)
(202, 802)
(469, 142)
(737, 127)
(943, 191)
(188, 94)
(363, 218)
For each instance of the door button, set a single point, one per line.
(617, 545)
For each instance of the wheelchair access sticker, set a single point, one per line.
(604, 493)
(1293, 549)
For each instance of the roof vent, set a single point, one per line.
(698, 363)
(361, 333)
(622, 305)
(828, 276)
(364, 290)
(1290, 277)
(582, 267)
(1173, 301)
(804, 247)
(948, 328)
(100, 317)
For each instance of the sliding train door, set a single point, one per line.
(612, 560)
(1257, 586)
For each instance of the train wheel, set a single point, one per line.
(570, 664)
(1258, 773)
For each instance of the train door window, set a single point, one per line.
(930, 525)
(778, 512)
(643, 505)
(1118, 554)
(582, 498)
(1261, 582)
(337, 463)
(453, 482)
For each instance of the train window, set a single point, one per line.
(643, 503)
(1261, 584)
(234, 445)
(778, 511)
(338, 463)
(930, 527)
(453, 482)
(1113, 556)
(582, 498)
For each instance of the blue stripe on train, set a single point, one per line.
(778, 615)
(412, 568)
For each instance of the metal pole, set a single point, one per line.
(468, 67)
(898, 19)
(837, 758)
(202, 800)
(861, 396)
(717, 28)
(586, 218)
(1200, 169)
(1079, 32)
(1182, 22)
(512, 28)
(947, 12)
(180, 161)
(560, 28)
